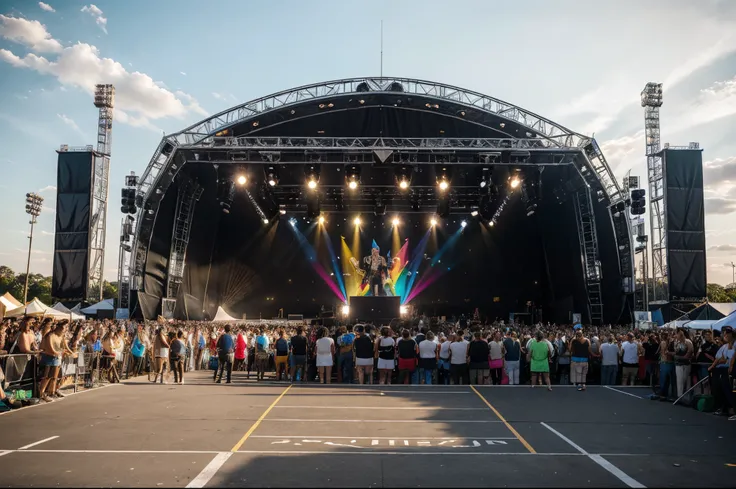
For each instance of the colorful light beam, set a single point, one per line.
(311, 255)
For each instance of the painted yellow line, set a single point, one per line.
(503, 420)
(255, 425)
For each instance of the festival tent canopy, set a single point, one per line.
(729, 320)
(7, 303)
(724, 308)
(222, 315)
(35, 308)
(67, 312)
(106, 305)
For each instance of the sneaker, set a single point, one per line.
(59, 395)
(732, 417)
(46, 399)
(549, 388)
(580, 388)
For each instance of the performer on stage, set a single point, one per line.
(376, 271)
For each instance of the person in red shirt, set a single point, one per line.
(241, 346)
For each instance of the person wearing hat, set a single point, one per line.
(722, 370)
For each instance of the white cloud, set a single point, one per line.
(183, 73)
(625, 152)
(48, 188)
(713, 103)
(138, 99)
(729, 248)
(70, 122)
(48, 233)
(95, 12)
(218, 96)
(720, 205)
(30, 33)
(46, 7)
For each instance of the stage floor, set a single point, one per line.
(264, 434)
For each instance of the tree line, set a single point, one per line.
(40, 286)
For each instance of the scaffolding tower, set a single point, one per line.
(104, 101)
(651, 100)
(589, 250)
(189, 193)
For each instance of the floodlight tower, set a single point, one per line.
(651, 100)
(104, 101)
(34, 204)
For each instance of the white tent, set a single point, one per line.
(67, 312)
(729, 320)
(35, 308)
(8, 303)
(223, 316)
(106, 305)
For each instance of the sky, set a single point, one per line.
(581, 64)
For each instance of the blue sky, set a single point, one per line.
(579, 63)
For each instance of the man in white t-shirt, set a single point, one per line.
(443, 365)
(610, 354)
(428, 352)
(630, 359)
(459, 361)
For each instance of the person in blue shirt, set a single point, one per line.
(225, 354)
(345, 357)
(138, 350)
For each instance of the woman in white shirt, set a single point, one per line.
(325, 351)
(385, 352)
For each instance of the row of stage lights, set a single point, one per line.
(395, 222)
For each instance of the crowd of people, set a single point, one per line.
(670, 361)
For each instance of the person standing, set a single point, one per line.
(363, 350)
(298, 345)
(563, 360)
(580, 351)
(479, 353)
(325, 352)
(666, 364)
(385, 350)
(539, 360)
(138, 351)
(630, 359)
(706, 356)
(722, 369)
(408, 351)
(241, 349)
(178, 356)
(610, 354)
(225, 355)
(683, 361)
(345, 360)
(459, 361)
(161, 352)
(428, 355)
(282, 355)
(512, 356)
(262, 344)
(443, 364)
(496, 355)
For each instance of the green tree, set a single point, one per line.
(716, 293)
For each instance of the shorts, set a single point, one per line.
(281, 360)
(364, 362)
(50, 361)
(299, 360)
(407, 364)
(324, 360)
(384, 364)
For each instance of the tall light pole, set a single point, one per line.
(733, 273)
(34, 203)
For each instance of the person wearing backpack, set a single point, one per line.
(262, 344)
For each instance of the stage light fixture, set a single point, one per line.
(292, 221)
(345, 310)
(463, 224)
(272, 175)
(356, 221)
(491, 223)
(352, 176)
(515, 182)
(474, 213)
(403, 176)
(433, 222)
(241, 180)
(265, 220)
(321, 219)
(403, 310)
(444, 185)
(396, 221)
(311, 172)
(443, 178)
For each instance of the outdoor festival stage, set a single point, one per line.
(276, 435)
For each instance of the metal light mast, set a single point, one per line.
(651, 100)
(34, 204)
(105, 101)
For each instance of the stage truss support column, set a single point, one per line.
(189, 193)
(589, 250)
(651, 100)
(104, 101)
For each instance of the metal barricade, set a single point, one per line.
(20, 371)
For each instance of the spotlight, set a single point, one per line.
(241, 180)
(474, 213)
(530, 210)
(433, 222)
(443, 178)
(272, 175)
(356, 221)
(444, 185)
(463, 224)
(491, 223)
(352, 176)
(485, 177)
(311, 172)
(345, 310)
(396, 221)
(321, 219)
(292, 221)
(265, 221)
(403, 176)
(403, 310)
(514, 182)
(483, 184)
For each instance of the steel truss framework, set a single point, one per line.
(588, 236)
(189, 193)
(205, 140)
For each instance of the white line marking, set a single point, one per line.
(5, 452)
(618, 473)
(622, 392)
(39, 442)
(391, 442)
(312, 420)
(210, 470)
(384, 408)
(133, 452)
(378, 437)
(396, 452)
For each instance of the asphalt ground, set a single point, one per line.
(266, 434)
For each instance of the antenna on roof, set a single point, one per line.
(381, 48)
